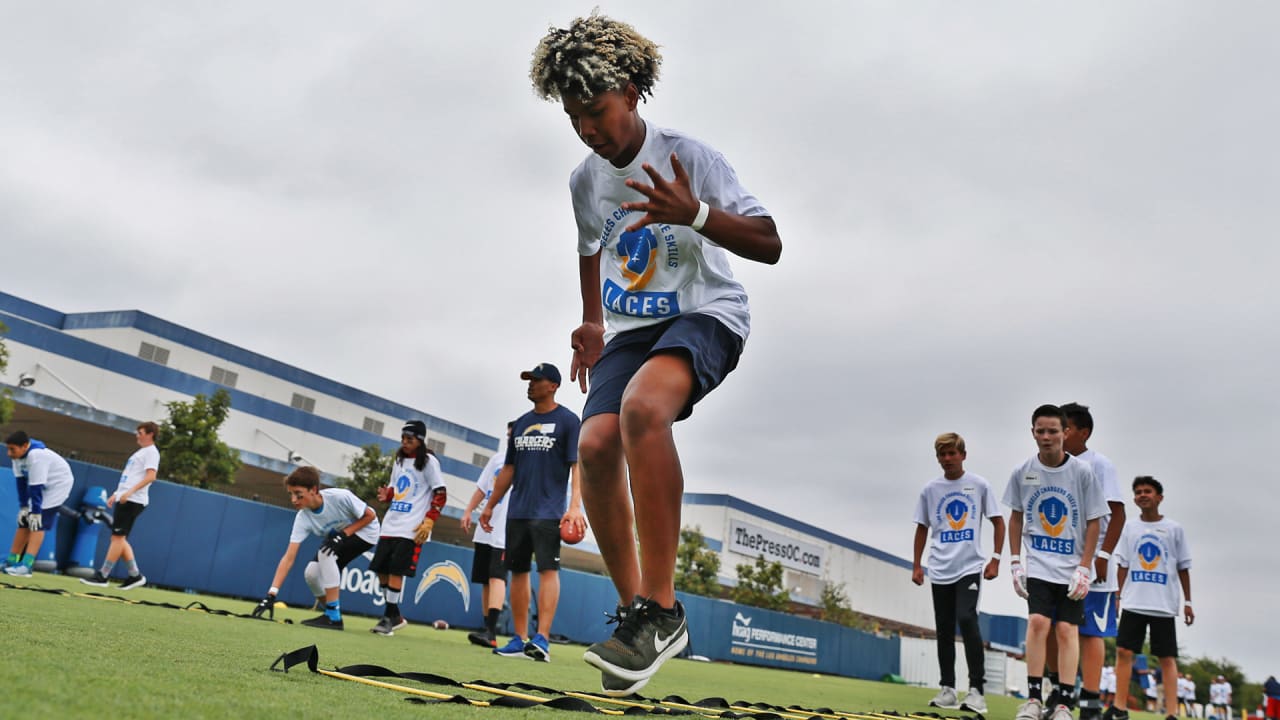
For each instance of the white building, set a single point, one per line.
(83, 381)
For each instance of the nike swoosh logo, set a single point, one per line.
(1106, 612)
(660, 644)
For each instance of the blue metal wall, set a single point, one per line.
(212, 543)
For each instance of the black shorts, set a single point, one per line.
(396, 556)
(1050, 600)
(351, 547)
(487, 563)
(526, 538)
(126, 514)
(711, 348)
(1133, 630)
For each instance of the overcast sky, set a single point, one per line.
(983, 207)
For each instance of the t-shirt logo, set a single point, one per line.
(1151, 551)
(639, 249)
(539, 436)
(1148, 555)
(402, 486)
(1053, 516)
(955, 508)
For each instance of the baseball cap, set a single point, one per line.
(416, 428)
(543, 370)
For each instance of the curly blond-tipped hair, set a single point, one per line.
(594, 55)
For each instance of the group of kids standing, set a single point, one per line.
(1086, 571)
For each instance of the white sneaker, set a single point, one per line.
(1061, 712)
(1029, 710)
(946, 698)
(974, 702)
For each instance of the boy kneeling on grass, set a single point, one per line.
(349, 528)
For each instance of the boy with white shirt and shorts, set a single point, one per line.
(488, 563)
(658, 215)
(950, 513)
(44, 482)
(1054, 506)
(349, 528)
(1220, 698)
(1152, 553)
(130, 499)
(1101, 614)
(417, 494)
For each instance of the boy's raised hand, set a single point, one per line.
(669, 202)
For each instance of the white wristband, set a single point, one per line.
(1015, 559)
(273, 591)
(995, 556)
(1187, 603)
(1104, 554)
(701, 218)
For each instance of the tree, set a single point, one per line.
(835, 608)
(369, 470)
(697, 566)
(760, 585)
(190, 451)
(6, 399)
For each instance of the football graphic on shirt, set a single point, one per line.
(1053, 516)
(957, 513)
(1148, 555)
(640, 248)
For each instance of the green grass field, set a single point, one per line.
(82, 657)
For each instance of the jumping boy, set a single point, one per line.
(417, 494)
(1054, 505)
(44, 481)
(130, 499)
(1152, 551)
(349, 528)
(658, 214)
(950, 512)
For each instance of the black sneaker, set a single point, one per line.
(97, 579)
(385, 626)
(323, 621)
(484, 639)
(1114, 713)
(617, 687)
(133, 581)
(646, 637)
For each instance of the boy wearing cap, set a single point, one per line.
(1152, 561)
(542, 459)
(417, 494)
(44, 482)
(349, 528)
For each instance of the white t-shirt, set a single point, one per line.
(341, 508)
(497, 538)
(1056, 503)
(1109, 480)
(954, 511)
(660, 271)
(413, 489)
(1220, 693)
(135, 471)
(43, 466)
(1184, 688)
(1153, 552)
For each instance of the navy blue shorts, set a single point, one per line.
(711, 348)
